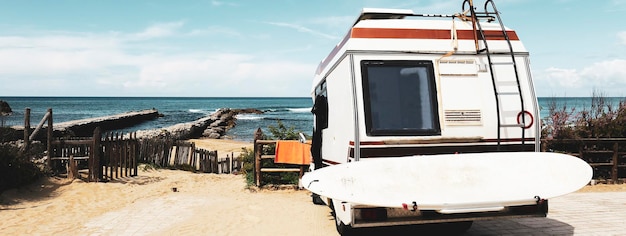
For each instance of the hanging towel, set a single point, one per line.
(293, 152)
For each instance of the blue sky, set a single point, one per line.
(221, 48)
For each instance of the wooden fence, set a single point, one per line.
(115, 155)
(259, 156)
(607, 156)
(185, 155)
(106, 158)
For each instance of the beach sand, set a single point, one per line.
(203, 204)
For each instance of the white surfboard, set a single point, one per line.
(453, 182)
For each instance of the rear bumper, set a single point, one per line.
(399, 216)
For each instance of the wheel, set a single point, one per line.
(317, 200)
(342, 229)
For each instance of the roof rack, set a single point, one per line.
(387, 13)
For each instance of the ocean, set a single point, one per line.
(293, 112)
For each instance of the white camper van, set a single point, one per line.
(404, 84)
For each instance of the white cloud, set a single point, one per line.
(606, 76)
(223, 3)
(114, 64)
(158, 31)
(303, 29)
(216, 30)
(334, 21)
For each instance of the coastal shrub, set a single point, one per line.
(602, 120)
(282, 132)
(8, 134)
(247, 157)
(560, 121)
(16, 169)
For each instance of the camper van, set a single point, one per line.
(402, 84)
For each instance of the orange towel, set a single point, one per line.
(293, 152)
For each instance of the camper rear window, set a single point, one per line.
(400, 98)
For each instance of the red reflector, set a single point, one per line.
(405, 206)
(374, 214)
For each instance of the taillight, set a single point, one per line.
(374, 214)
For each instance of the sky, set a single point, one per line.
(222, 48)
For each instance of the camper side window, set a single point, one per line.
(320, 107)
(400, 98)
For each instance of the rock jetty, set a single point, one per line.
(85, 127)
(213, 126)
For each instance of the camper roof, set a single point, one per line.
(387, 13)
(383, 13)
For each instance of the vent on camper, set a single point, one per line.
(458, 67)
(463, 117)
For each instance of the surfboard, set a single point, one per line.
(452, 183)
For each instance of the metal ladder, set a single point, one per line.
(479, 34)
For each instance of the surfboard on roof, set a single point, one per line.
(402, 84)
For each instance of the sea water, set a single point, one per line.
(293, 112)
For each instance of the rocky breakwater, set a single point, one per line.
(85, 127)
(213, 126)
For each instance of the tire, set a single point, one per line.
(317, 200)
(342, 229)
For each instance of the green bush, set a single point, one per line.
(247, 157)
(15, 168)
(281, 132)
(601, 120)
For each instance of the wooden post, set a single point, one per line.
(257, 157)
(116, 155)
(615, 163)
(109, 149)
(95, 169)
(26, 129)
(126, 156)
(136, 151)
(50, 137)
(72, 171)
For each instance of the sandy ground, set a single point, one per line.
(203, 204)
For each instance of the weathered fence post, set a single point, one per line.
(257, 157)
(614, 169)
(136, 152)
(72, 169)
(95, 169)
(26, 129)
(50, 136)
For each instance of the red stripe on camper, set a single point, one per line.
(368, 143)
(426, 34)
(330, 162)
